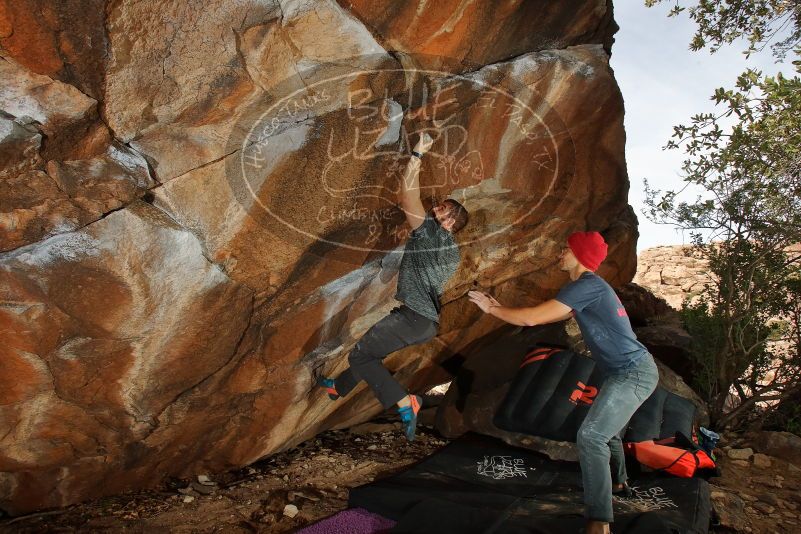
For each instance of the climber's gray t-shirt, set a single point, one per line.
(430, 258)
(603, 322)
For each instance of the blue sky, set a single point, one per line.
(663, 84)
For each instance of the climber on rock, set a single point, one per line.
(630, 373)
(430, 258)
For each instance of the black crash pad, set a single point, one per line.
(479, 484)
(552, 392)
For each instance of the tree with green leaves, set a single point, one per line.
(741, 202)
(761, 22)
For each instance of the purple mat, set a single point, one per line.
(350, 521)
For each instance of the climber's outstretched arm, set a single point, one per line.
(409, 196)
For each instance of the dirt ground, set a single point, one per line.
(314, 477)
(756, 494)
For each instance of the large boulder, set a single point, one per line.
(98, 351)
(197, 213)
(462, 36)
(644, 308)
(39, 199)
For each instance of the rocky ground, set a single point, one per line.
(311, 481)
(757, 494)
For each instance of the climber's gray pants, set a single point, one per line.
(401, 328)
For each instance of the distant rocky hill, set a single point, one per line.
(671, 273)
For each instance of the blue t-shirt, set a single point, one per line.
(603, 321)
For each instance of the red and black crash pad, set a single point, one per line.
(554, 388)
(479, 484)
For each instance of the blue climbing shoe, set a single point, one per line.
(408, 415)
(328, 385)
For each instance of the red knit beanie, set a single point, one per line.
(589, 248)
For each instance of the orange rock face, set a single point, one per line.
(465, 34)
(198, 212)
(65, 40)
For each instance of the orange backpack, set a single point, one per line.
(678, 456)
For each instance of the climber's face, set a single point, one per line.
(442, 213)
(567, 260)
